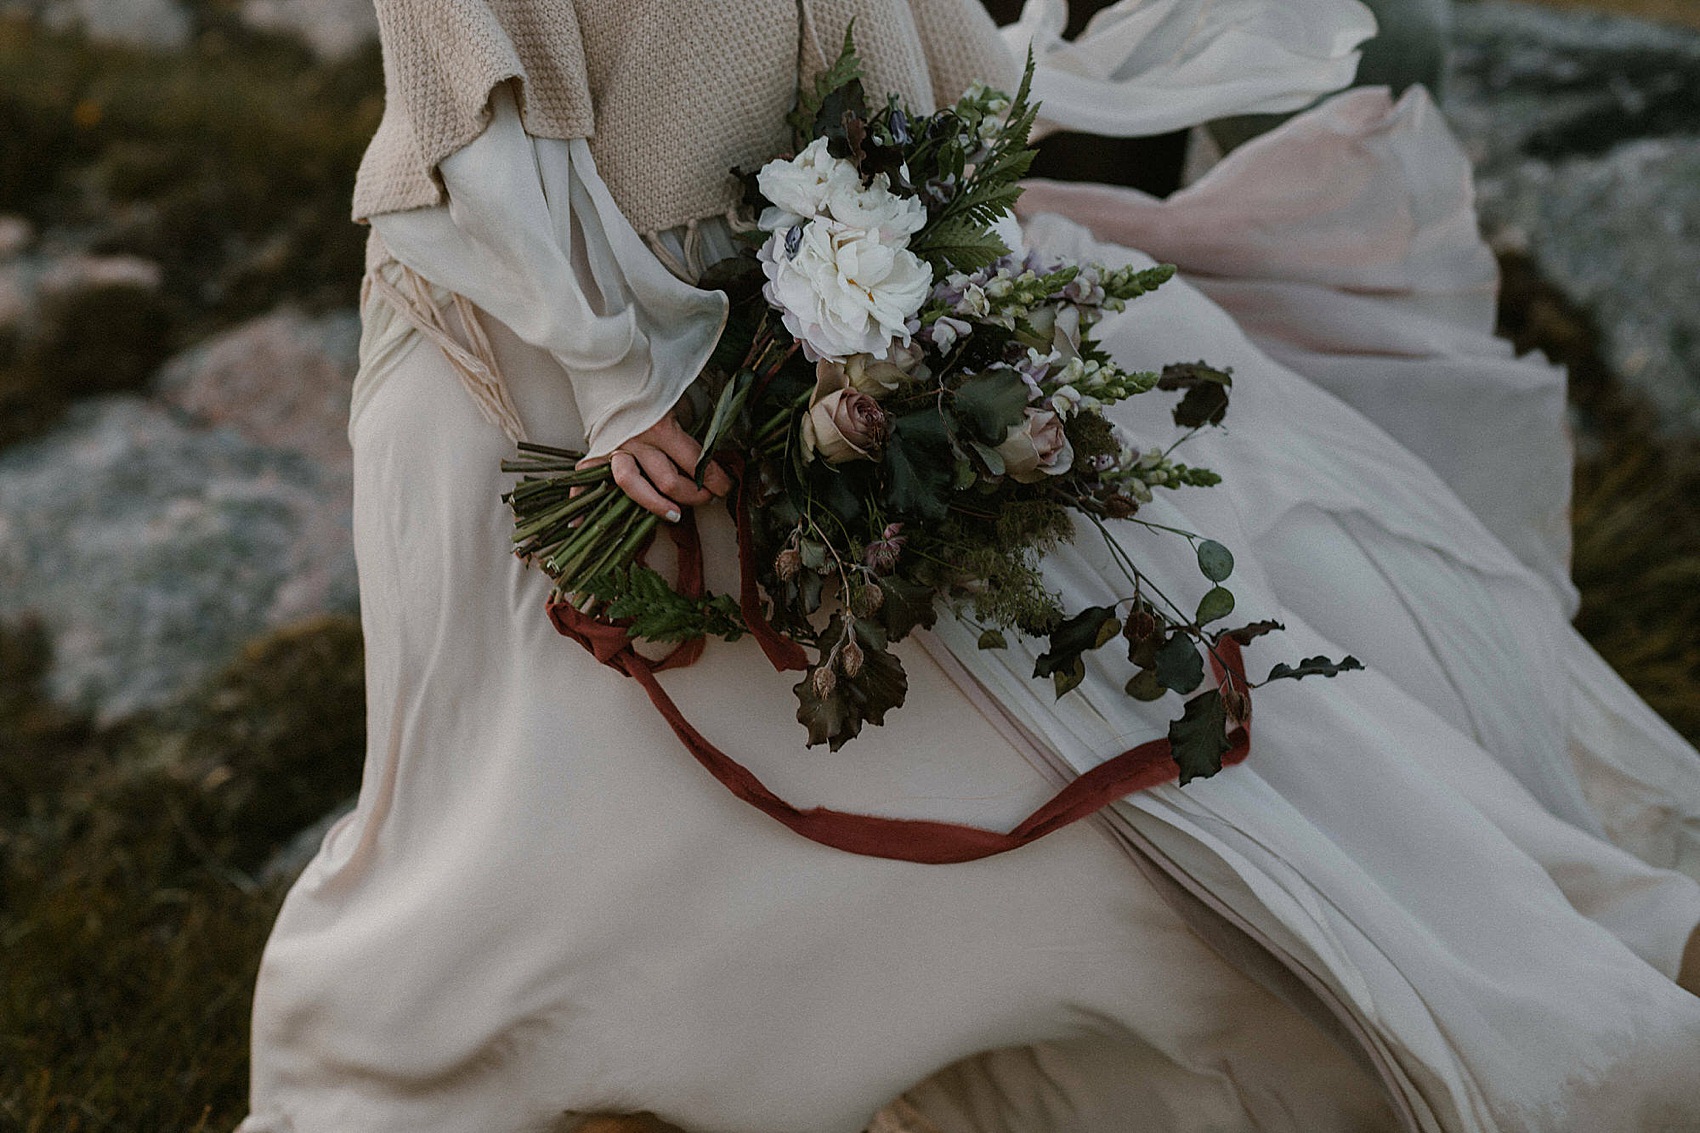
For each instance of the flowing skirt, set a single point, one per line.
(1448, 893)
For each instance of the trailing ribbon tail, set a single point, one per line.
(897, 839)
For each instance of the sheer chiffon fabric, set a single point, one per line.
(1446, 894)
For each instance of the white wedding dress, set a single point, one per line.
(1445, 894)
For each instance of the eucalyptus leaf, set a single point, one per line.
(1217, 603)
(1145, 685)
(992, 639)
(1180, 666)
(1068, 678)
(1215, 561)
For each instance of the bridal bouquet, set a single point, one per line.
(916, 417)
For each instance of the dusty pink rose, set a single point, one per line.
(843, 422)
(1036, 448)
(863, 372)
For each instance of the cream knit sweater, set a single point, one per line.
(673, 94)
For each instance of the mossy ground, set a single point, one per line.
(131, 919)
(229, 164)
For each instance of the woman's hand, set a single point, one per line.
(657, 470)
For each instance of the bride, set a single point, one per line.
(1451, 893)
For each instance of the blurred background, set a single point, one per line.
(180, 658)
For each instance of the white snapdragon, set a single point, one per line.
(844, 291)
(1068, 401)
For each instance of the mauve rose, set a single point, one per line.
(863, 372)
(843, 422)
(1036, 448)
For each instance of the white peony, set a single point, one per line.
(798, 188)
(844, 291)
(875, 207)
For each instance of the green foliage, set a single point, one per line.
(1180, 666)
(1130, 283)
(1217, 603)
(956, 237)
(1199, 739)
(1313, 667)
(918, 464)
(660, 613)
(857, 682)
(1064, 662)
(959, 244)
(1206, 399)
(1215, 561)
(990, 403)
(805, 119)
(1250, 632)
(132, 918)
(905, 606)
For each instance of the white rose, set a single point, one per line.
(875, 207)
(844, 291)
(1036, 448)
(798, 188)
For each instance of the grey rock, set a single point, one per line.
(152, 548)
(283, 380)
(332, 28)
(27, 280)
(144, 23)
(1621, 235)
(16, 234)
(1585, 130)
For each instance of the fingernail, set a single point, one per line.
(673, 516)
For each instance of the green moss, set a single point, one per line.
(1636, 515)
(131, 922)
(231, 163)
(101, 340)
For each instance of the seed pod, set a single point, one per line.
(1141, 624)
(869, 599)
(787, 563)
(1237, 705)
(824, 681)
(850, 659)
(1119, 506)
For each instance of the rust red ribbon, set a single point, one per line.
(900, 839)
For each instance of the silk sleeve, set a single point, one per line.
(531, 235)
(1146, 67)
